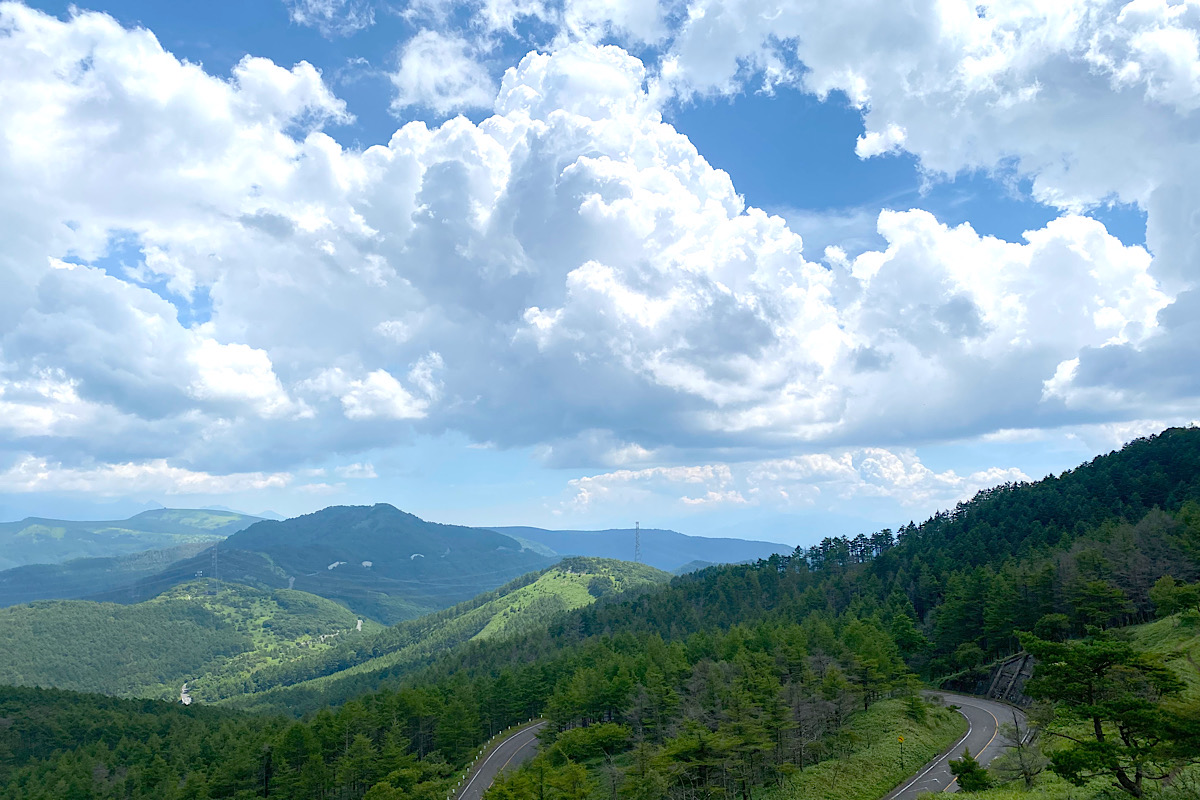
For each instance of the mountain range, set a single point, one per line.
(35, 540)
(383, 563)
(663, 549)
(376, 560)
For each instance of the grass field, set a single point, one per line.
(1177, 640)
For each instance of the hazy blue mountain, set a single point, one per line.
(693, 566)
(666, 550)
(36, 540)
(83, 577)
(268, 514)
(381, 562)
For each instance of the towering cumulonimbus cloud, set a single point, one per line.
(193, 270)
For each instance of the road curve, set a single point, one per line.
(510, 753)
(981, 738)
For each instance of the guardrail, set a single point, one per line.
(488, 747)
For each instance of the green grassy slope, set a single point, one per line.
(51, 541)
(1177, 640)
(151, 648)
(519, 607)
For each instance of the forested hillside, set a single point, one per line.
(239, 640)
(729, 691)
(525, 606)
(151, 648)
(728, 679)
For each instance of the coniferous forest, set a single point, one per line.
(724, 683)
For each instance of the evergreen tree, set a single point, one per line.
(972, 777)
(1135, 733)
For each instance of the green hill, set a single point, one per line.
(51, 541)
(151, 648)
(1176, 639)
(524, 605)
(242, 639)
(381, 562)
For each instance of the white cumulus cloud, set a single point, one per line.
(787, 482)
(32, 474)
(570, 274)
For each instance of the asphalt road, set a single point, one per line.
(511, 752)
(984, 717)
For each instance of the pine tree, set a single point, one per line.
(972, 777)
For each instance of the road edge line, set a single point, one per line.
(901, 788)
(489, 749)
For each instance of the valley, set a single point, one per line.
(794, 676)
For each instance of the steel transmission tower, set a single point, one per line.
(637, 542)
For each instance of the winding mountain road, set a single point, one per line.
(984, 718)
(510, 753)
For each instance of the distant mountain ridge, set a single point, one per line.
(384, 563)
(40, 540)
(663, 549)
(84, 577)
(381, 562)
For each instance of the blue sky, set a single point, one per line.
(588, 281)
